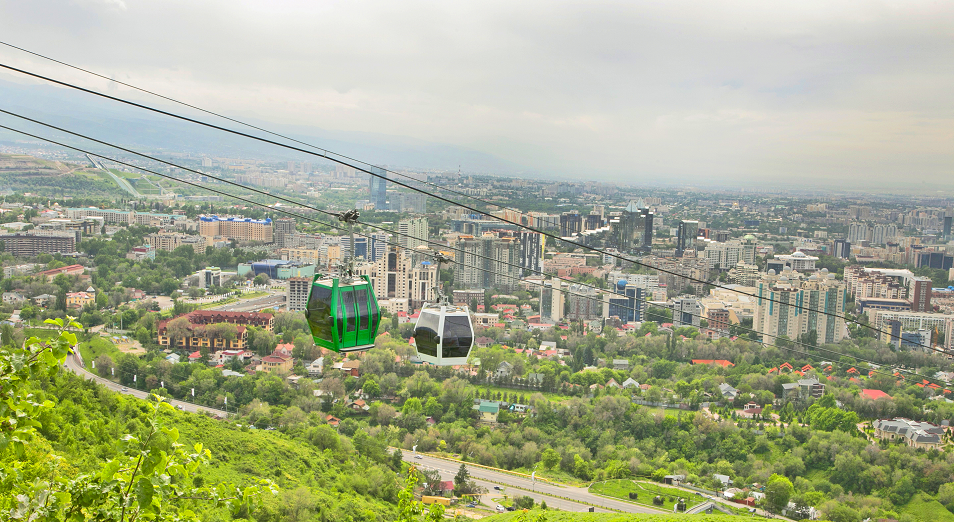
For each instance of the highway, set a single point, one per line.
(73, 364)
(252, 305)
(538, 491)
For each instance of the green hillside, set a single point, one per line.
(328, 485)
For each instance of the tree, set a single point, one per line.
(104, 365)
(778, 491)
(371, 388)
(550, 458)
(177, 330)
(581, 468)
(462, 481)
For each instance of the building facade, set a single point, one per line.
(791, 305)
(32, 245)
(239, 229)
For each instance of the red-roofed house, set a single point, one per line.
(195, 356)
(874, 394)
(333, 421)
(721, 362)
(785, 366)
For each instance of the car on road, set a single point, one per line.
(471, 505)
(418, 457)
(501, 508)
(125, 389)
(511, 508)
(179, 407)
(497, 488)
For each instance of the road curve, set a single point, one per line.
(73, 364)
(539, 490)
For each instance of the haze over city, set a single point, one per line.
(524, 262)
(739, 93)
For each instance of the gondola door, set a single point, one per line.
(347, 317)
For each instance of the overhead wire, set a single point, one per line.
(371, 171)
(858, 359)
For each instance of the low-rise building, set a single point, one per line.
(79, 299)
(276, 363)
(923, 435)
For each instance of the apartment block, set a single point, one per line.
(32, 245)
(791, 305)
(239, 229)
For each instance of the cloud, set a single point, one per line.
(683, 90)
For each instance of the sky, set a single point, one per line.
(811, 93)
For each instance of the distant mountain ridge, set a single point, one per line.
(141, 129)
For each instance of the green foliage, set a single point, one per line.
(778, 491)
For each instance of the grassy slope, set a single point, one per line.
(88, 419)
(923, 507)
(645, 491)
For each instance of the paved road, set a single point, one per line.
(73, 364)
(539, 491)
(253, 304)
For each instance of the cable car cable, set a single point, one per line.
(331, 213)
(371, 172)
(249, 125)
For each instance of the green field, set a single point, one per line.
(95, 347)
(645, 492)
(253, 295)
(564, 516)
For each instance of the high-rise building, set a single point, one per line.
(399, 275)
(791, 305)
(297, 297)
(728, 254)
(378, 246)
(686, 236)
(552, 301)
(628, 302)
(531, 252)
(412, 233)
(857, 232)
(571, 223)
(281, 227)
(379, 188)
(842, 249)
(486, 262)
(947, 227)
(407, 202)
(634, 228)
(919, 294)
(880, 234)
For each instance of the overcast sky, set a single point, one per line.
(770, 92)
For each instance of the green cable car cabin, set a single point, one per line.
(343, 316)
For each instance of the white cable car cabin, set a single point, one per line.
(444, 334)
